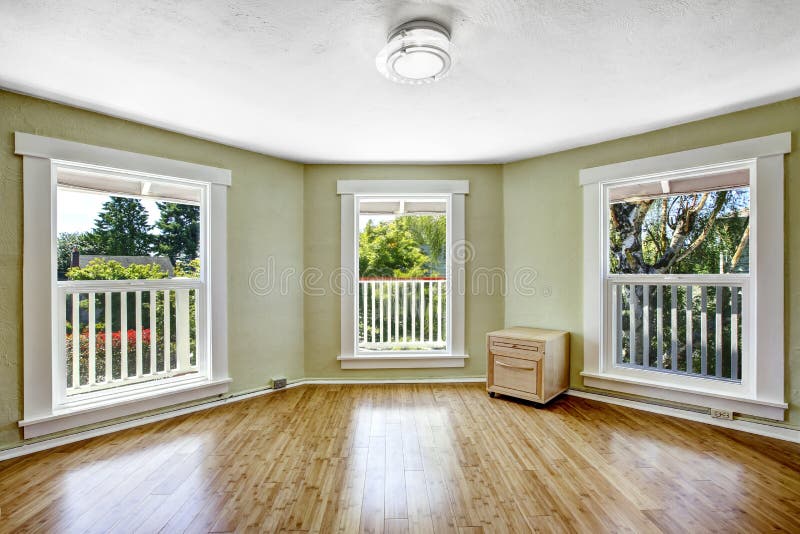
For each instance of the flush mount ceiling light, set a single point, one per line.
(417, 52)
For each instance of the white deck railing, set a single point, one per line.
(692, 326)
(128, 331)
(401, 314)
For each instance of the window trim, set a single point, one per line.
(350, 191)
(41, 156)
(763, 393)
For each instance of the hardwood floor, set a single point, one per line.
(408, 458)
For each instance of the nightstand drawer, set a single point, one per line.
(516, 344)
(516, 373)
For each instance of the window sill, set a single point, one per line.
(85, 413)
(404, 361)
(684, 395)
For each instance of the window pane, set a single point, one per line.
(703, 232)
(111, 230)
(108, 237)
(402, 274)
(689, 329)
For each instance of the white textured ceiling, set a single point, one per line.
(296, 78)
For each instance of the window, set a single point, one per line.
(683, 301)
(678, 273)
(402, 274)
(400, 301)
(123, 283)
(129, 276)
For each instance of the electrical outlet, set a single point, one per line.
(278, 382)
(722, 414)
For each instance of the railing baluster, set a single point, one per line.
(197, 344)
(703, 330)
(618, 299)
(689, 329)
(92, 341)
(674, 325)
(422, 312)
(735, 333)
(405, 310)
(430, 312)
(660, 326)
(396, 311)
(413, 311)
(372, 311)
(439, 311)
(152, 328)
(632, 323)
(719, 295)
(109, 336)
(646, 325)
(182, 336)
(364, 324)
(123, 334)
(388, 288)
(379, 289)
(138, 303)
(76, 340)
(364, 312)
(167, 333)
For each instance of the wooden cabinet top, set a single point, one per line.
(524, 332)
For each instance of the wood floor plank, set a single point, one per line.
(440, 458)
(395, 506)
(419, 509)
(372, 505)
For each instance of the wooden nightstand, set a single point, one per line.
(528, 363)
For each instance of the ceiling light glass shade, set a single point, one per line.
(417, 52)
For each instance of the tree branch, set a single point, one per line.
(712, 218)
(740, 248)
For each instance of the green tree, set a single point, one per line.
(430, 233)
(66, 243)
(388, 249)
(188, 269)
(100, 269)
(179, 225)
(121, 228)
(680, 233)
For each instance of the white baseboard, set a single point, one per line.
(23, 449)
(467, 380)
(771, 431)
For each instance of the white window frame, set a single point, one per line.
(761, 391)
(46, 410)
(350, 191)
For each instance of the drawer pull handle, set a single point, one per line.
(523, 368)
(532, 348)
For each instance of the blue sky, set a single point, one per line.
(77, 210)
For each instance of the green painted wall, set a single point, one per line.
(525, 217)
(484, 229)
(264, 219)
(543, 222)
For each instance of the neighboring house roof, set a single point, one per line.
(127, 261)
